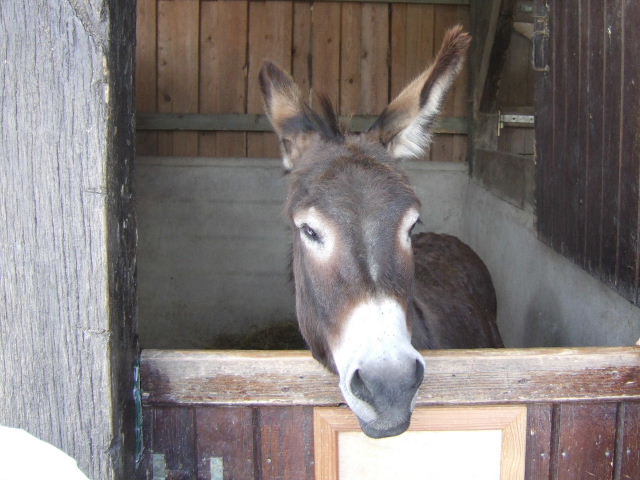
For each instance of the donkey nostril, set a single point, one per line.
(419, 374)
(359, 388)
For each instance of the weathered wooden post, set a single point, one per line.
(67, 229)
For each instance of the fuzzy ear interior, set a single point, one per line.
(406, 125)
(296, 124)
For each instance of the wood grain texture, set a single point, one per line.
(595, 146)
(454, 376)
(146, 68)
(586, 444)
(285, 443)
(67, 236)
(538, 442)
(223, 84)
(270, 38)
(629, 176)
(511, 420)
(627, 465)
(325, 51)
(178, 40)
(611, 161)
(226, 433)
(447, 147)
(174, 437)
(412, 45)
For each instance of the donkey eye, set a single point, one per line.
(310, 233)
(414, 226)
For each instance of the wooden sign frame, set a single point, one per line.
(510, 419)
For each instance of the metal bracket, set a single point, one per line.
(515, 120)
(541, 35)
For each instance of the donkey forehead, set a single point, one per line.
(352, 182)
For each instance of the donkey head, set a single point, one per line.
(352, 212)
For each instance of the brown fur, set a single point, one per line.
(355, 184)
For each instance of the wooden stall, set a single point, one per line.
(216, 415)
(229, 414)
(198, 63)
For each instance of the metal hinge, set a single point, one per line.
(541, 34)
(515, 120)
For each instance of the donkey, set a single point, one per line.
(369, 295)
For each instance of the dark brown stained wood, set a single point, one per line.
(538, 454)
(285, 443)
(507, 175)
(223, 85)
(580, 156)
(192, 377)
(594, 147)
(557, 171)
(226, 435)
(586, 444)
(544, 128)
(612, 126)
(628, 444)
(627, 267)
(174, 437)
(270, 38)
(572, 161)
(146, 71)
(588, 151)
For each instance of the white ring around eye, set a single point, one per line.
(323, 250)
(404, 229)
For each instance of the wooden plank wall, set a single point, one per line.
(588, 146)
(203, 56)
(565, 441)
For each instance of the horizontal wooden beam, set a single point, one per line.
(246, 122)
(192, 377)
(424, 2)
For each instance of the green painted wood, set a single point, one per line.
(241, 122)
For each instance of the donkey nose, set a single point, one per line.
(372, 388)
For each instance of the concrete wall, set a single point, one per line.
(543, 298)
(213, 250)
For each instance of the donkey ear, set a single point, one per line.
(405, 126)
(286, 111)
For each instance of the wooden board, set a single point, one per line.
(285, 442)
(174, 442)
(325, 51)
(588, 166)
(627, 465)
(223, 84)
(341, 450)
(270, 38)
(225, 442)
(538, 457)
(67, 235)
(450, 147)
(594, 458)
(146, 71)
(452, 377)
(178, 40)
